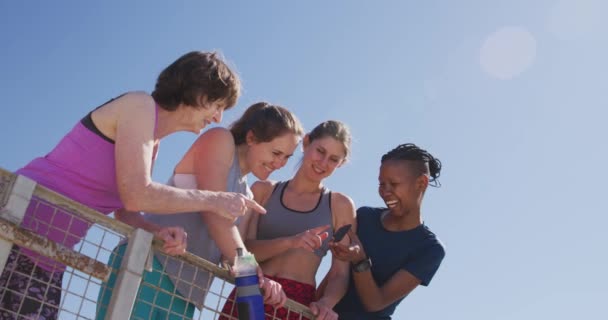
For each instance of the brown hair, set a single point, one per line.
(335, 129)
(266, 122)
(193, 76)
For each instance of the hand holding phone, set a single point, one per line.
(341, 232)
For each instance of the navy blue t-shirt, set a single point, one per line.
(417, 251)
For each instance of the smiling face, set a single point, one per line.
(401, 186)
(322, 156)
(265, 157)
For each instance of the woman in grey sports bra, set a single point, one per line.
(301, 215)
(259, 142)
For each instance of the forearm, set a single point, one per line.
(225, 234)
(337, 284)
(370, 294)
(266, 249)
(158, 198)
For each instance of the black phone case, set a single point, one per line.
(341, 232)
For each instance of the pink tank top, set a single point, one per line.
(81, 167)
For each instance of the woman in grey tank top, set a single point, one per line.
(301, 214)
(259, 143)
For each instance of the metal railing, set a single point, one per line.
(94, 262)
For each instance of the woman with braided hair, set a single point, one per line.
(393, 251)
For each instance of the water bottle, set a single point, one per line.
(249, 300)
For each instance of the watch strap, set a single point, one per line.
(362, 265)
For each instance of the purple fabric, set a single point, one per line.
(81, 167)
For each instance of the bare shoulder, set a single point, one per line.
(137, 96)
(342, 206)
(215, 141)
(214, 138)
(214, 148)
(135, 100)
(263, 186)
(134, 105)
(129, 115)
(262, 189)
(218, 135)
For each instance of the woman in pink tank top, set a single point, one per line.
(105, 162)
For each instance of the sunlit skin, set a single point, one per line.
(196, 119)
(132, 122)
(293, 257)
(321, 158)
(263, 158)
(211, 169)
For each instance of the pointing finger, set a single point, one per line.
(254, 206)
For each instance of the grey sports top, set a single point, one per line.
(280, 221)
(191, 282)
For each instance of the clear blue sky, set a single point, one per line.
(506, 93)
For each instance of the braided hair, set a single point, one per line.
(429, 165)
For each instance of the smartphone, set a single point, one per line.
(341, 232)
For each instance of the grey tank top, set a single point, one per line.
(280, 221)
(191, 282)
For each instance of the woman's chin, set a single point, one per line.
(262, 175)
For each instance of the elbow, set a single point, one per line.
(132, 204)
(133, 199)
(135, 204)
(372, 306)
(376, 303)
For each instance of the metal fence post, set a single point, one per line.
(16, 205)
(129, 276)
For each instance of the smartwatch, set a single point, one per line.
(362, 265)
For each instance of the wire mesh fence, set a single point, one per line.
(63, 260)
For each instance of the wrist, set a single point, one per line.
(362, 265)
(290, 242)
